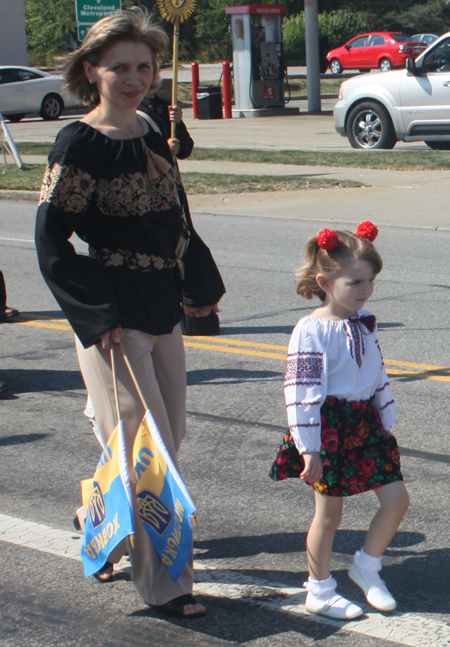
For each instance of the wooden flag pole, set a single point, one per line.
(176, 43)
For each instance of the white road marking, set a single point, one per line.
(18, 240)
(409, 629)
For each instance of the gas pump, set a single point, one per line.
(258, 66)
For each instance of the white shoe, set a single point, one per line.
(333, 606)
(375, 589)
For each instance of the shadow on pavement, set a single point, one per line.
(230, 376)
(21, 439)
(346, 542)
(234, 621)
(38, 380)
(255, 330)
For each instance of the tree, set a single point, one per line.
(47, 22)
(338, 27)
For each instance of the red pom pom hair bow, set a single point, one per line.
(328, 239)
(367, 230)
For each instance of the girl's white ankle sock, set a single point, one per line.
(368, 567)
(366, 561)
(321, 588)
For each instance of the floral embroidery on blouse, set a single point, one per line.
(126, 195)
(134, 194)
(163, 191)
(133, 260)
(67, 188)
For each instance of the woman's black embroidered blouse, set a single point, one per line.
(99, 188)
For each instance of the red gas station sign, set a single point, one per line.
(268, 92)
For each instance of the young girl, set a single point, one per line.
(340, 408)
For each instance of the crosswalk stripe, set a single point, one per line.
(409, 629)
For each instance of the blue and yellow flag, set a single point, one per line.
(163, 501)
(108, 504)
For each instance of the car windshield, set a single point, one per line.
(400, 38)
(439, 58)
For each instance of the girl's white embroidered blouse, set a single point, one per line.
(339, 358)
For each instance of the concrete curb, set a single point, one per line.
(27, 196)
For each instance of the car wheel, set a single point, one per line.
(14, 118)
(439, 146)
(385, 65)
(51, 108)
(335, 66)
(369, 126)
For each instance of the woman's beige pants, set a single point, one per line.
(159, 365)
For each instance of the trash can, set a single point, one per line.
(209, 101)
(323, 51)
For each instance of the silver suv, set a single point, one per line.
(413, 104)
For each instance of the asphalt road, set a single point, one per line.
(250, 544)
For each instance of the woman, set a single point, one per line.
(111, 179)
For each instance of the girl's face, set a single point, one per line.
(123, 75)
(348, 290)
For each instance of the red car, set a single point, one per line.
(381, 49)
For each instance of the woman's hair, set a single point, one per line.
(132, 25)
(320, 261)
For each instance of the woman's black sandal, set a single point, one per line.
(175, 607)
(103, 570)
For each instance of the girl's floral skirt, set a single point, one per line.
(357, 453)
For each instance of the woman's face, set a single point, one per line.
(123, 75)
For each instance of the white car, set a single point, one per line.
(25, 90)
(377, 110)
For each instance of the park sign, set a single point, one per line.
(82, 31)
(89, 11)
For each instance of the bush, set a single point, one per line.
(47, 21)
(337, 26)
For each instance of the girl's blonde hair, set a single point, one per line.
(320, 261)
(131, 25)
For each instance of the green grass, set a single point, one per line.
(300, 86)
(209, 183)
(413, 160)
(393, 160)
(34, 148)
(30, 178)
(27, 179)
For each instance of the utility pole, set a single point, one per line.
(312, 54)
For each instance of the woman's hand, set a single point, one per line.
(175, 114)
(174, 145)
(313, 471)
(111, 339)
(189, 311)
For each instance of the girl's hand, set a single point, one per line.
(313, 471)
(175, 114)
(189, 311)
(111, 339)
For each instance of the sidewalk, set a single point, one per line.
(367, 177)
(398, 198)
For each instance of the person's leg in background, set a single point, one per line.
(6, 313)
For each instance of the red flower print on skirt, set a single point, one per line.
(330, 440)
(357, 454)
